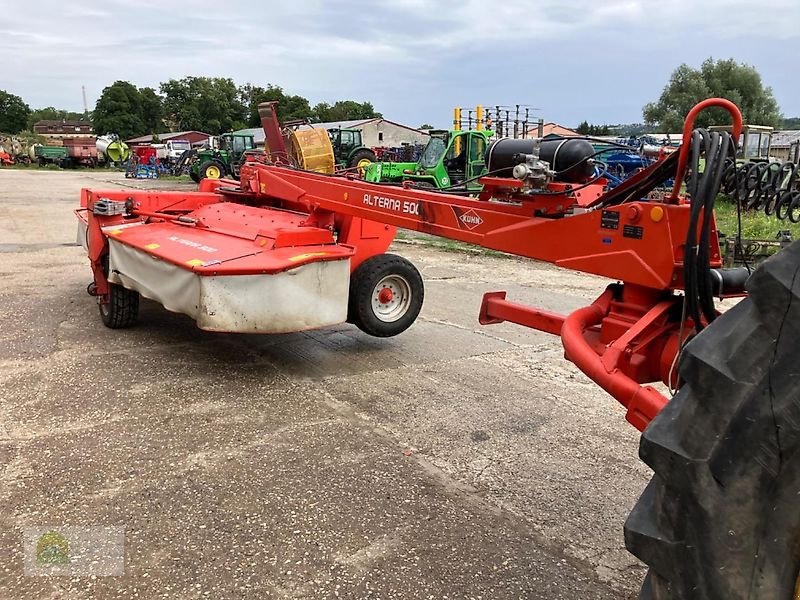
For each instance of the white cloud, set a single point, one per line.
(409, 56)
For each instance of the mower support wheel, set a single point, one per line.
(721, 518)
(386, 293)
(122, 309)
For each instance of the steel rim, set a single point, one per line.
(212, 172)
(391, 298)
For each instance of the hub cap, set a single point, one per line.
(212, 172)
(391, 298)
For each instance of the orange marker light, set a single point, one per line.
(656, 214)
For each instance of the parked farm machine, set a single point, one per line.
(285, 249)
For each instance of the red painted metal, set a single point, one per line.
(276, 218)
(578, 242)
(688, 126)
(496, 309)
(643, 402)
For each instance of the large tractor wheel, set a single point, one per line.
(211, 169)
(122, 309)
(386, 293)
(361, 158)
(721, 518)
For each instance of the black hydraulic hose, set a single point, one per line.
(713, 179)
(690, 248)
(703, 187)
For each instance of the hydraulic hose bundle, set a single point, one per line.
(767, 186)
(703, 185)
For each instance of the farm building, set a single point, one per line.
(548, 130)
(783, 142)
(375, 133)
(193, 137)
(56, 130)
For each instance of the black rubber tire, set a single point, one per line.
(362, 285)
(194, 176)
(720, 519)
(123, 308)
(362, 154)
(201, 172)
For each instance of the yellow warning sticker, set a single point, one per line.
(306, 256)
(152, 246)
(195, 262)
(115, 231)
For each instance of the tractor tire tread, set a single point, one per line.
(715, 521)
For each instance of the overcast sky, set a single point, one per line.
(599, 60)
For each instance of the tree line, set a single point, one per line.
(210, 104)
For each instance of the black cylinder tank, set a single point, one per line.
(569, 157)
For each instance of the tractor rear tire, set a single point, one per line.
(122, 309)
(721, 518)
(386, 293)
(365, 154)
(211, 169)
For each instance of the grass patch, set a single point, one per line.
(185, 178)
(755, 224)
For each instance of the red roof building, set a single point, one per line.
(193, 137)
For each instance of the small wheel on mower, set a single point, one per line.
(211, 169)
(386, 293)
(122, 309)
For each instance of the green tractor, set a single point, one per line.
(224, 161)
(348, 149)
(452, 159)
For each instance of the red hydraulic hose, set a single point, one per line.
(643, 402)
(688, 125)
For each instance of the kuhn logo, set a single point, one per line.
(471, 219)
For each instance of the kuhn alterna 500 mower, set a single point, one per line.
(286, 249)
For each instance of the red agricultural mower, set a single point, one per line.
(285, 249)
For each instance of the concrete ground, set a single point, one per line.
(453, 461)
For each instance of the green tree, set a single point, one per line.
(210, 104)
(152, 110)
(13, 113)
(585, 128)
(127, 111)
(737, 82)
(425, 126)
(290, 107)
(344, 110)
